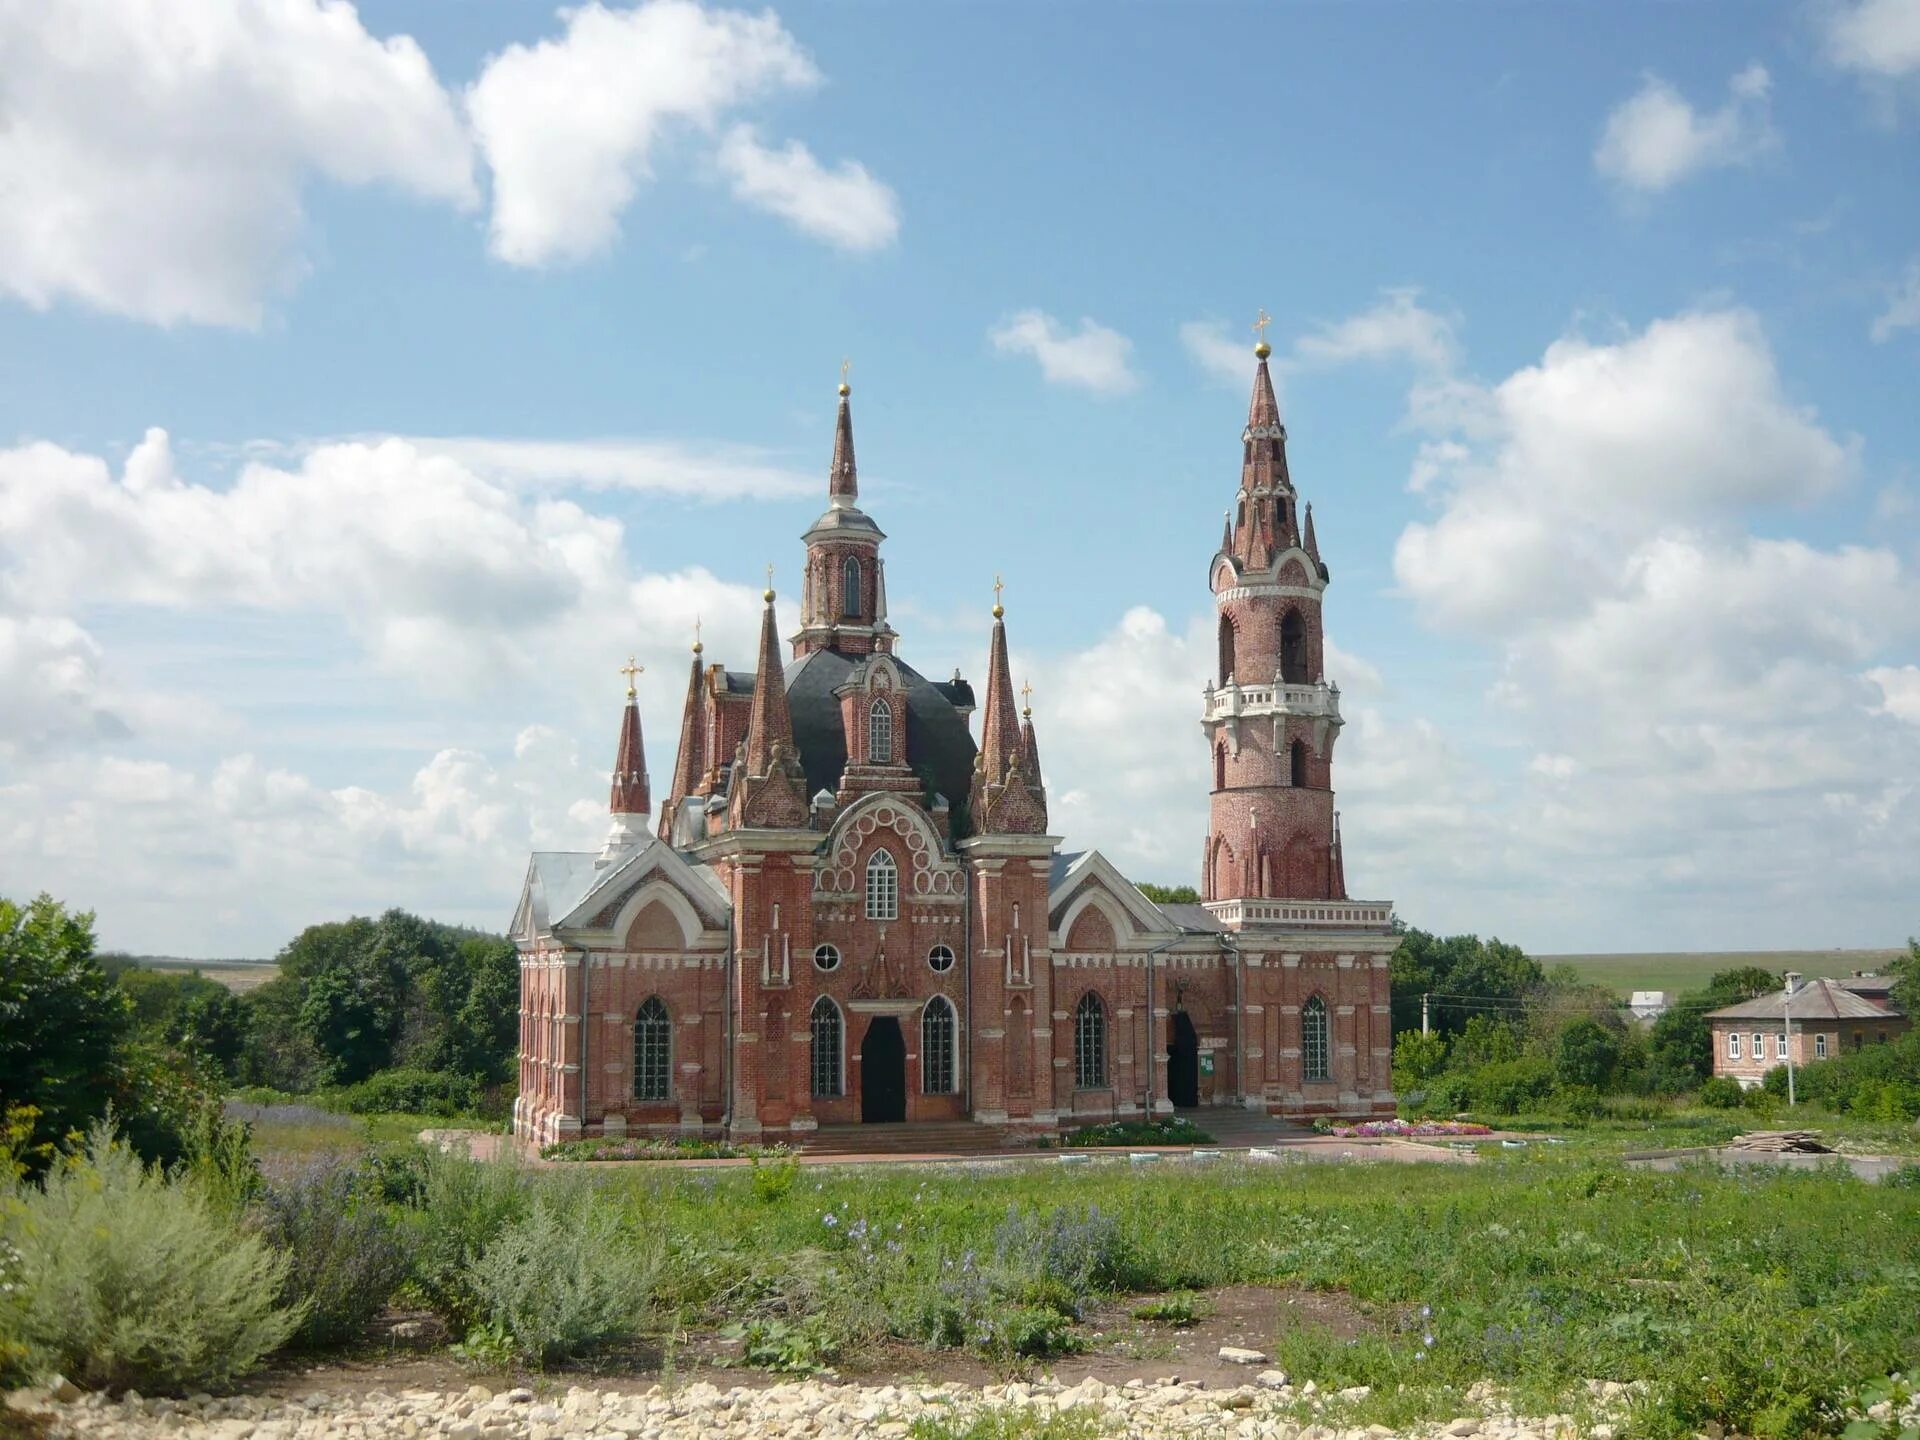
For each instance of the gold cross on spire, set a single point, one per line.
(1260, 326)
(630, 670)
(1026, 699)
(845, 365)
(998, 609)
(697, 646)
(768, 597)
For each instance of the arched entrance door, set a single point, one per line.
(1183, 1062)
(883, 1072)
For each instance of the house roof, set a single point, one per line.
(1815, 1000)
(938, 741)
(1192, 917)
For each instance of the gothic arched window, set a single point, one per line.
(1220, 767)
(937, 1029)
(1299, 758)
(883, 887)
(1313, 1039)
(653, 1052)
(880, 734)
(1090, 1043)
(1293, 649)
(1226, 648)
(850, 588)
(827, 1032)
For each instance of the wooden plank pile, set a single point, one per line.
(1780, 1142)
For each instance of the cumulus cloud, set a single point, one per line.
(1396, 327)
(1213, 347)
(1090, 358)
(49, 684)
(660, 467)
(1903, 306)
(1656, 138)
(571, 125)
(1879, 39)
(846, 206)
(154, 153)
(1899, 691)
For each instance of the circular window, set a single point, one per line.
(826, 958)
(940, 959)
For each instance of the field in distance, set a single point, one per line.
(238, 976)
(1690, 970)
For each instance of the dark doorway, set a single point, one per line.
(1183, 1063)
(883, 1072)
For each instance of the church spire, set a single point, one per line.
(1029, 745)
(769, 787)
(1005, 798)
(843, 476)
(1263, 518)
(629, 795)
(689, 769)
(1312, 543)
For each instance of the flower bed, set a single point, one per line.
(644, 1147)
(1407, 1129)
(1176, 1130)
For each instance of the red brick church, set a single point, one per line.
(848, 908)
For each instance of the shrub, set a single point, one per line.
(1579, 1102)
(128, 1280)
(564, 1279)
(1722, 1093)
(344, 1251)
(461, 1208)
(1774, 1082)
(1060, 1257)
(1175, 1130)
(774, 1180)
(1506, 1087)
(416, 1092)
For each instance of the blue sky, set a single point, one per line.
(490, 343)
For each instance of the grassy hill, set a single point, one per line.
(1689, 970)
(237, 975)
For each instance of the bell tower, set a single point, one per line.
(843, 600)
(1271, 716)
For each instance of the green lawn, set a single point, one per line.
(1690, 970)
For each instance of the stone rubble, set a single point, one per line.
(804, 1410)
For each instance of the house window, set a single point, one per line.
(850, 589)
(883, 887)
(1759, 1047)
(1819, 1047)
(936, 1047)
(653, 1052)
(940, 959)
(825, 957)
(1090, 1043)
(1313, 1038)
(1733, 1045)
(826, 1049)
(1293, 650)
(1780, 1045)
(880, 734)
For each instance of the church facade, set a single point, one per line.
(847, 908)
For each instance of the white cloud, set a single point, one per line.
(1899, 691)
(1396, 327)
(1216, 351)
(1559, 472)
(1656, 139)
(1875, 38)
(155, 151)
(1092, 358)
(1903, 305)
(845, 207)
(662, 467)
(49, 679)
(570, 125)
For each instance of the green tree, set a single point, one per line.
(1906, 981)
(1588, 1053)
(1730, 987)
(1467, 976)
(62, 1021)
(1417, 1059)
(1169, 894)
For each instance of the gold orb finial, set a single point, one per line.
(845, 389)
(630, 670)
(1262, 349)
(767, 595)
(697, 646)
(999, 610)
(1026, 700)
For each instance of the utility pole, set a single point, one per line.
(1423, 1012)
(1786, 1010)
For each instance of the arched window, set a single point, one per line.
(1313, 1038)
(1226, 648)
(1293, 649)
(880, 734)
(653, 1052)
(883, 887)
(936, 1046)
(1220, 767)
(1299, 754)
(827, 1047)
(850, 588)
(825, 957)
(1090, 1043)
(940, 959)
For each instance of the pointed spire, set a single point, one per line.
(629, 796)
(999, 729)
(1313, 544)
(689, 769)
(1226, 532)
(1263, 464)
(1029, 745)
(769, 723)
(1264, 410)
(843, 476)
(1006, 799)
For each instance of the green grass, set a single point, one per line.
(1690, 970)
